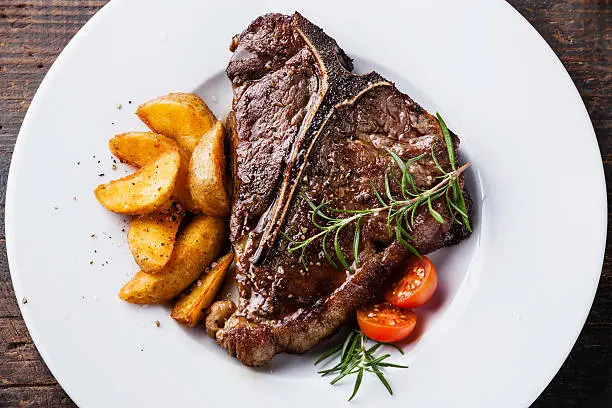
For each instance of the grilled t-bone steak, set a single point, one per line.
(303, 125)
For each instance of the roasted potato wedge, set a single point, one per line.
(181, 116)
(140, 148)
(151, 237)
(206, 177)
(181, 190)
(145, 191)
(189, 310)
(197, 245)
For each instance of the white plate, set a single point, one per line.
(514, 297)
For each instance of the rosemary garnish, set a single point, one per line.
(400, 211)
(357, 358)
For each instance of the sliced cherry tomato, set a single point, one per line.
(416, 286)
(385, 322)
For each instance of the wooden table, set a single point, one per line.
(32, 33)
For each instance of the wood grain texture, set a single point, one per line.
(32, 33)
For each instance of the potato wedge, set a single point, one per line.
(189, 310)
(206, 177)
(196, 247)
(181, 190)
(145, 191)
(151, 237)
(181, 116)
(140, 148)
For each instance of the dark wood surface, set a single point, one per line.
(32, 33)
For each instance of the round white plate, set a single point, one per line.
(513, 297)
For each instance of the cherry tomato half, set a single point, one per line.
(385, 322)
(416, 286)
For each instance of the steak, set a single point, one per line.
(303, 127)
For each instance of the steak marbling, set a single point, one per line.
(303, 124)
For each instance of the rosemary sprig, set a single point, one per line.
(400, 211)
(456, 188)
(357, 358)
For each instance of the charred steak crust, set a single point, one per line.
(302, 123)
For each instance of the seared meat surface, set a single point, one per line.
(304, 125)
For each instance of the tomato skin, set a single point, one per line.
(416, 286)
(386, 323)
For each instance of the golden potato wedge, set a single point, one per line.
(140, 148)
(181, 116)
(207, 174)
(181, 190)
(196, 247)
(145, 191)
(151, 237)
(189, 310)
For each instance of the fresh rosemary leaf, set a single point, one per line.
(378, 196)
(316, 213)
(394, 346)
(433, 212)
(383, 380)
(448, 140)
(436, 195)
(404, 243)
(338, 367)
(356, 243)
(346, 344)
(398, 161)
(450, 205)
(316, 209)
(330, 370)
(388, 187)
(403, 218)
(327, 255)
(299, 245)
(413, 211)
(329, 353)
(374, 348)
(354, 345)
(338, 250)
(403, 184)
(402, 231)
(378, 359)
(410, 180)
(390, 216)
(384, 364)
(342, 211)
(394, 177)
(357, 384)
(461, 204)
(415, 159)
(459, 210)
(345, 371)
(435, 160)
(287, 237)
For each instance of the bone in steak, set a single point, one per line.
(302, 123)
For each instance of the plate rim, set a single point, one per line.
(602, 179)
